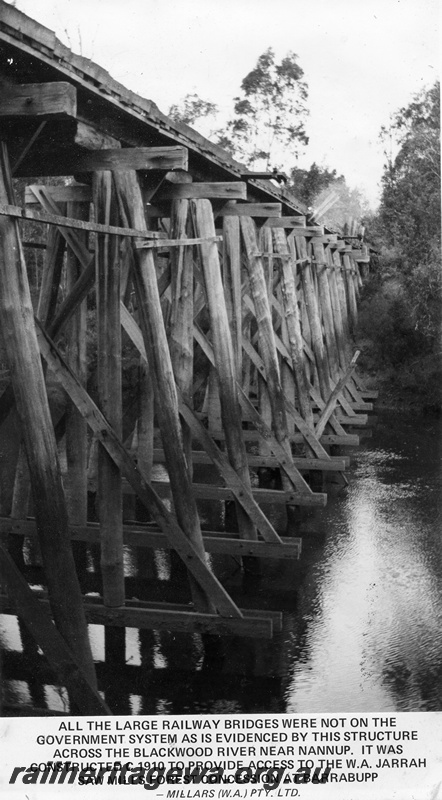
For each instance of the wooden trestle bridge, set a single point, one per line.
(238, 308)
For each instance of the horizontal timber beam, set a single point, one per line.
(157, 617)
(207, 491)
(346, 440)
(77, 224)
(234, 190)
(177, 242)
(57, 99)
(250, 210)
(78, 193)
(292, 222)
(332, 464)
(142, 159)
(147, 536)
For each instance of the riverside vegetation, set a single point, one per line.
(400, 314)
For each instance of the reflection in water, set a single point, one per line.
(362, 609)
(374, 638)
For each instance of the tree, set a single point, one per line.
(269, 115)
(191, 109)
(410, 205)
(327, 194)
(403, 307)
(409, 217)
(308, 184)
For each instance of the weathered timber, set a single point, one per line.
(76, 193)
(10, 210)
(21, 494)
(207, 491)
(233, 209)
(351, 295)
(50, 283)
(292, 318)
(314, 393)
(223, 355)
(54, 100)
(308, 436)
(106, 436)
(183, 242)
(145, 422)
(90, 137)
(35, 615)
(76, 428)
(238, 488)
(28, 146)
(38, 435)
(110, 497)
(143, 159)
(287, 377)
(22, 486)
(234, 191)
(158, 356)
(332, 463)
(342, 337)
(50, 280)
(314, 319)
(342, 296)
(212, 403)
(181, 321)
(357, 421)
(266, 342)
(241, 492)
(345, 439)
(146, 536)
(77, 294)
(264, 431)
(265, 409)
(285, 222)
(325, 306)
(232, 286)
(164, 619)
(332, 400)
(328, 318)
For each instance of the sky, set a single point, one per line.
(362, 59)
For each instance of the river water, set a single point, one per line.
(362, 609)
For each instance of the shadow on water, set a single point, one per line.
(362, 608)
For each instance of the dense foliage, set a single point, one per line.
(308, 184)
(410, 208)
(401, 316)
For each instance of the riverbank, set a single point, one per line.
(397, 358)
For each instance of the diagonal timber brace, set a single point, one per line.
(234, 482)
(265, 433)
(38, 620)
(123, 460)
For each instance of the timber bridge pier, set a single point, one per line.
(128, 239)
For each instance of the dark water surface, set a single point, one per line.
(362, 608)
